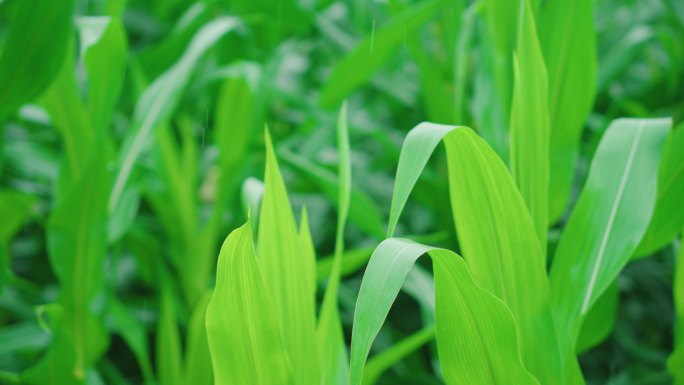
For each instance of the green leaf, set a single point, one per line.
(600, 319)
(608, 221)
(288, 273)
(169, 353)
(76, 247)
(105, 62)
(476, 333)
(379, 363)
(245, 338)
(675, 363)
(197, 367)
(668, 218)
(160, 99)
(34, 51)
(568, 41)
(530, 123)
(495, 231)
(369, 55)
(133, 332)
(331, 342)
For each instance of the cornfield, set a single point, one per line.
(341, 192)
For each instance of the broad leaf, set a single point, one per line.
(476, 333)
(245, 339)
(608, 221)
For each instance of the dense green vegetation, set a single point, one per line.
(240, 192)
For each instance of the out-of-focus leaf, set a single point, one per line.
(15, 208)
(569, 44)
(476, 333)
(105, 62)
(160, 99)
(379, 363)
(287, 273)
(77, 241)
(600, 319)
(530, 123)
(495, 230)
(169, 354)
(372, 52)
(133, 332)
(675, 363)
(363, 212)
(245, 339)
(608, 221)
(331, 342)
(197, 367)
(34, 51)
(668, 216)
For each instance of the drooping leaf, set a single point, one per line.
(34, 51)
(476, 333)
(568, 40)
(245, 339)
(608, 221)
(530, 123)
(495, 232)
(286, 275)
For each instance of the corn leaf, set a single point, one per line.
(668, 218)
(568, 40)
(331, 342)
(34, 51)
(600, 319)
(495, 231)
(288, 273)
(160, 99)
(197, 367)
(245, 339)
(530, 123)
(105, 62)
(608, 221)
(476, 333)
(675, 363)
(169, 355)
(379, 363)
(368, 56)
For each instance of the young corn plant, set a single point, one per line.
(261, 319)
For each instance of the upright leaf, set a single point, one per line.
(160, 99)
(675, 363)
(331, 341)
(608, 221)
(530, 123)
(286, 275)
(476, 333)
(245, 339)
(568, 41)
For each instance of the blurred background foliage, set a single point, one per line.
(196, 171)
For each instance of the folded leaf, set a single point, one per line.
(476, 333)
